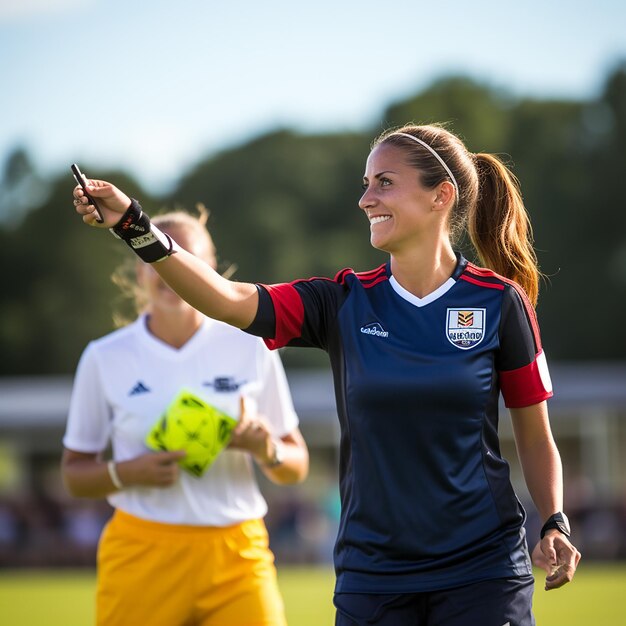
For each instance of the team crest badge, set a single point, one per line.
(465, 328)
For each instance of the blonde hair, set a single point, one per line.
(489, 205)
(132, 300)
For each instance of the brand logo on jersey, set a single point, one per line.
(138, 388)
(374, 329)
(224, 383)
(465, 328)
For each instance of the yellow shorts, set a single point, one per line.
(152, 574)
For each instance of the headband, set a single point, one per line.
(434, 153)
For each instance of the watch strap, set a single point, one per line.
(557, 521)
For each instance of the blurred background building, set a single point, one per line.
(40, 525)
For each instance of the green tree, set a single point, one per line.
(480, 115)
(55, 281)
(21, 188)
(285, 205)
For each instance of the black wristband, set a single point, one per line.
(559, 521)
(144, 239)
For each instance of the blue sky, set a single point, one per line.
(153, 86)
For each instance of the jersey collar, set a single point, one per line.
(435, 295)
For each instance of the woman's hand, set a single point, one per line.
(558, 557)
(153, 469)
(86, 474)
(252, 434)
(112, 202)
(284, 460)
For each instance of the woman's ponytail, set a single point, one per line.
(499, 226)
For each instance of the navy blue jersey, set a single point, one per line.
(426, 498)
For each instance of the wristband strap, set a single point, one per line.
(114, 476)
(144, 239)
(558, 521)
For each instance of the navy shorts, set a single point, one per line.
(498, 602)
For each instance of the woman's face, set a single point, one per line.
(158, 293)
(399, 208)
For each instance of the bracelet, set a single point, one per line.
(114, 476)
(278, 456)
(143, 238)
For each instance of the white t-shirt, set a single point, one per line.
(126, 379)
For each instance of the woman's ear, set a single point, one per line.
(444, 195)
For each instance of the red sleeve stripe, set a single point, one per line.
(374, 282)
(526, 385)
(373, 277)
(530, 309)
(367, 279)
(481, 283)
(480, 270)
(289, 312)
(341, 275)
(369, 274)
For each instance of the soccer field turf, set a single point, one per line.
(62, 598)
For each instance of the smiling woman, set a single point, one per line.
(421, 348)
(403, 212)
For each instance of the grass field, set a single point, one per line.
(597, 597)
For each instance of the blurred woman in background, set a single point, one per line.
(181, 549)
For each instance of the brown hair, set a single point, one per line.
(132, 299)
(489, 205)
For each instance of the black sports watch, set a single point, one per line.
(559, 521)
